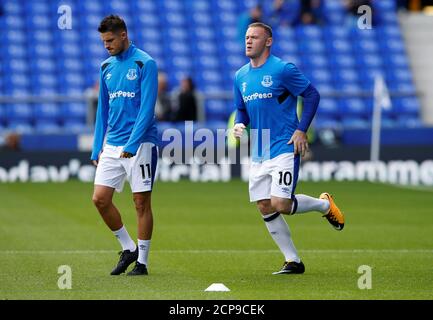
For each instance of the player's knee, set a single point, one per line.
(265, 207)
(101, 202)
(282, 205)
(142, 206)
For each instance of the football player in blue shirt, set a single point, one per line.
(128, 87)
(266, 91)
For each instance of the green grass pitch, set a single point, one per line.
(208, 233)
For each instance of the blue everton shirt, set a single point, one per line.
(128, 86)
(268, 94)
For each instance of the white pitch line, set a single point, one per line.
(207, 251)
(409, 187)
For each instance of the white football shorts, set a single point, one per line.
(274, 177)
(139, 170)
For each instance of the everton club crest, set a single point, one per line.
(132, 74)
(267, 81)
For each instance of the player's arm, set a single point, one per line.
(311, 102)
(241, 119)
(299, 85)
(101, 120)
(149, 89)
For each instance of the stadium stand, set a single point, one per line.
(197, 38)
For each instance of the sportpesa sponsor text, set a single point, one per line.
(255, 96)
(120, 93)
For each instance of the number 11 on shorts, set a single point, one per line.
(143, 171)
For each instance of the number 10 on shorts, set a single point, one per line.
(285, 178)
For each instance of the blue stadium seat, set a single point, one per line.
(352, 88)
(120, 7)
(325, 87)
(202, 6)
(75, 126)
(408, 106)
(409, 121)
(47, 126)
(311, 32)
(318, 75)
(202, 19)
(74, 111)
(12, 7)
(406, 87)
(20, 126)
(216, 110)
(342, 61)
(339, 46)
(37, 22)
(44, 80)
(229, 32)
(399, 74)
(144, 6)
(3, 114)
(393, 46)
(13, 23)
(284, 33)
(42, 51)
(328, 108)
(398, 60)
(311, 46)
(37, 7)
(20, 112)
(354, 107)
(323, 122)
(47, 111)
(365, 46)
(315, 60)
(231, 47)
(224, 5)
(15, 37)
(207, 61)
(355, 123)
(15, 51)
(94, 7)
(369, 60)
(40, 36)
(346, 75)
(286, 46)
(170, 5)
(202, 33)
(174, 19)
(16, 66)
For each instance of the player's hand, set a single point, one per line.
(238, 130)
(300, 142)
(125, 154)
(95, 162)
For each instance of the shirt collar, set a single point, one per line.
(127, 53)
